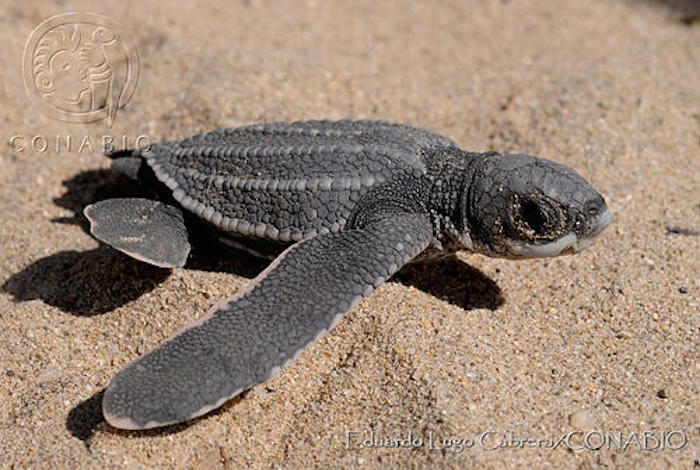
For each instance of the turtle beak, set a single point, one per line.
(567, 244)
(601, 223)
(604, 219)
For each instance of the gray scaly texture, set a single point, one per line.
(358, 199)
(288, 181)
(250, 338)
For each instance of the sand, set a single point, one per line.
(473, 353)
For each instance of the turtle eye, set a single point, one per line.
(533, 217)
(537, 218)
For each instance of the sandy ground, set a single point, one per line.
(605, 341)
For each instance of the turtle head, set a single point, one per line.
(520, 206)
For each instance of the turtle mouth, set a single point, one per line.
(566, 245)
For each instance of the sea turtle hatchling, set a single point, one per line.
(353, 201)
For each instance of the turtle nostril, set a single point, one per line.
(592, 208)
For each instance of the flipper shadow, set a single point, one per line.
(86, 418)
(100, 280)
(85, 283)
(454, 281)
(685, 11)
(91, 186)
(91, 282)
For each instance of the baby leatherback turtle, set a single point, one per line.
(354, 201)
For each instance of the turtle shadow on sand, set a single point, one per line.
(97, 281)
(90, 282)
(84, 283)
(86, 418)
(90, 186)
(448, 279)
(100, 280)
(453, 281)
(685, 11)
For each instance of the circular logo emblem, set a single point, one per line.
(80, 67)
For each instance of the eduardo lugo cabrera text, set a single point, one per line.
(576, 440)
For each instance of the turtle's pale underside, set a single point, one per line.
(354, 201)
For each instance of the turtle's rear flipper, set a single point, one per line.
(144, 229)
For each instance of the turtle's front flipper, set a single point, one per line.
(147, 230)
(251, 337)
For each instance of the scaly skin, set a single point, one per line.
(251, 337)
(360, 199)
(288, 181)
